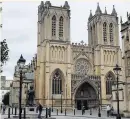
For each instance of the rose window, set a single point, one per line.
(82, 67)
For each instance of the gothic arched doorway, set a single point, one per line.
(85, 96)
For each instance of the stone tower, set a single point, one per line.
(103, 37)
(53, 55)
(125, 32)
(103, 28)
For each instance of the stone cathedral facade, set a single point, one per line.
(78, 73)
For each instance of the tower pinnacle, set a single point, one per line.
(105, 11)
(90, 16)
(114, 11)
(98, 11)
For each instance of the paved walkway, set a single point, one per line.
(69, 115)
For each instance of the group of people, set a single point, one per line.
(109, 110)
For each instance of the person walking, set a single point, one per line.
(39, 108)
(83, 110)
(4, 108)
(108, 110)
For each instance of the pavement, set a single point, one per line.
(69, 115)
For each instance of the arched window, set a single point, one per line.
(54, 25)
(61, 27)
(56, 83)
(105, 32)
(111, 32)
(109, 83)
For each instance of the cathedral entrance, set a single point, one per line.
(85, 96)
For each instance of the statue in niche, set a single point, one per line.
(31, 96)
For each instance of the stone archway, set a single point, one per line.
(86, 95)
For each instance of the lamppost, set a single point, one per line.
(52, 102)
(20, 63)
(61, 101)
(99, 111)
(117, 70)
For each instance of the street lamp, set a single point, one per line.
(99, 91)
(117, 70)
(20, 63)
(52, 102)
(61, 101)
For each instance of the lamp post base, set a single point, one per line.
(99, 114)
(118, 116)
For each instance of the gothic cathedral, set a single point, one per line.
(76, 73)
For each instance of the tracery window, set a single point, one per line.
(61, 27)
(105, 32)
(109, 83)
(56, 83)
(111, 32)
(82, 67)
(54, 25)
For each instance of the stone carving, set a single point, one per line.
(82, 67)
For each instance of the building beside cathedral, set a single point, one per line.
(79, 73)
(27, 81)
(125, 32)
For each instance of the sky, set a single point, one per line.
(19, 21)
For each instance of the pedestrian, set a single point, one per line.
(108, 110)
(4, 108)
(83, 110)
(39, 108)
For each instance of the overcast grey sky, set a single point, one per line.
(20, 25)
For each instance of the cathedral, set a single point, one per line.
(77, 74)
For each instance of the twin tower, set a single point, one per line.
(55, 22)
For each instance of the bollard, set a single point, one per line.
(24, 113)
(82, 111)
(57, 111)
(12, 110)
(74, 111)
(8, 112)
(46, 113)
(65, 112)
(90, 111)
(15, 110)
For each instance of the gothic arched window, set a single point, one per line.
(54, 25)
(111, 32)
(109, 83)
(56, 83)
(105, 32)
(61, 27)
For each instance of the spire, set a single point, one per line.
(42, 3)
(114, 11)
(66, 5)
(90, 16)
(127, 14)
(47, 3)
(105, 11)
(98, 11)
(121, 20)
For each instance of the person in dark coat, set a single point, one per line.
(83, 109)
(39, 108)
